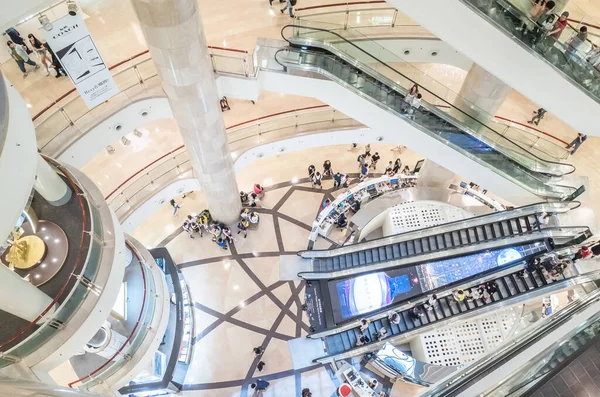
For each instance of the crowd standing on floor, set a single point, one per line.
(21, 52)
(366, 162)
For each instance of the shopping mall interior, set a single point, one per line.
(296, 198)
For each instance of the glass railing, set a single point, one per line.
(68, 119)
(375, 19)
(75, 288)
(379, 21)
(136, 337)
(535, 368)
(176, 164)
(567, 52)
(395, 68)
(356, 65)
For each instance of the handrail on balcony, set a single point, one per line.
(135, 326)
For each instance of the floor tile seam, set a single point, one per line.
(246, 255)
(239, 323)
(278, 236)
(231, 312)
(269, 336)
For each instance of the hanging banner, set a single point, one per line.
(70, 40)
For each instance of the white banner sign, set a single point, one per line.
(70, 40)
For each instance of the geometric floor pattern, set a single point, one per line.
(240, 303)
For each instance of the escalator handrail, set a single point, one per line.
(447, 118)
(425, 88)
(558, 285)
(531, 335)
(440, 292)
(313, 254)
(547, 232)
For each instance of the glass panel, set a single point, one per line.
(70, 306)
(52, 125)
(568, 51)
(229, 64)
(34, 342)
(458, 128)
(93, 261)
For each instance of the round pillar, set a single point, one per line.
(50, 185)
(175, 38)
(20, 298)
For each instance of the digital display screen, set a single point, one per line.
(363, 294)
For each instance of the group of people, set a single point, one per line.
(261, 385)
(252, 199)
(201, 223)
(412, 102)
(484, 291)
(21, 50)
(366, 161)
(289, 5)
(364, 337)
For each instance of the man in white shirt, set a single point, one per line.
(19, 54)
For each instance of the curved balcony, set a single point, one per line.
(80, 286)
(67, 119)
(145, 324)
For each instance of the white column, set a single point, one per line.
(176, 41)
(20, 298)
(50, 185)
(484, 90)
(432, 174)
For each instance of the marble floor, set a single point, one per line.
(239, 301)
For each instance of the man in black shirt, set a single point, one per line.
(374, 159)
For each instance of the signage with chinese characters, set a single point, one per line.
(70, 40)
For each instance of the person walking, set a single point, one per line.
(41, 51)
(397, 166)
(364, 171)
(311, 172)
(560, 25)
(327, 170)
(367, 150)
(175, 206)
(337, 180)
(289, 5)
(243, 227)
(374, 159)
(19, 54)
(538, 115)
(60, 72)
(317, 180)
(260, 386)
(576, 142)
(415, 104)
(575, 42)
(187, 226)
(361, 160)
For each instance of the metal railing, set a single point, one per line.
(175, 165)
(76, 287)
(136, 337)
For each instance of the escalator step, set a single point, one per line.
(453, 306)
(396, 250)
(445, 307)
(389, 252)
(425, 245)
(336, 262)
(375, 255)
(439, 242)
(362, 258)
(455, 239)
(368, 256)
(418, 246)
(407, 320)
(464, 236)
(439, 311)
(355, 259)
(519, 282)
(432, 243)
(346, 340)
(403, 249)
(509, 286)
(382, 254)
(342, 259)
(410, 247)
(488, 230)
(448, 240)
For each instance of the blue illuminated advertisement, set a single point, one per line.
(366, 293)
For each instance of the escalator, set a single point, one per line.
(502, 37)
(512, 287)
(462, 237)
(509, 286)
(330, 54)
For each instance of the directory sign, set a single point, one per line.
(72, 43)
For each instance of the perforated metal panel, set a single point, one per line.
(421, 214)
(466, 341)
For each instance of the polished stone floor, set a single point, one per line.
(239, 301)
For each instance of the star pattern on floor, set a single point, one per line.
(272, 314)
